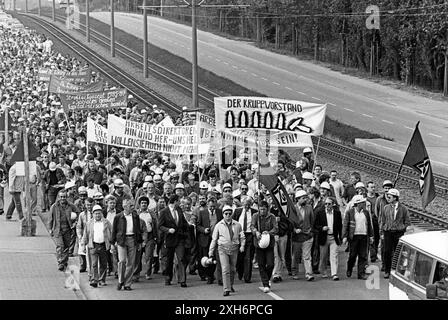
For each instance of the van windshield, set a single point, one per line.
(441, 279)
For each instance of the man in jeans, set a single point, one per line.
(302, 236)
(280, 244)
(16, 185)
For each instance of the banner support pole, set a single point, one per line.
(315, 154)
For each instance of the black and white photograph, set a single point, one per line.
(223, 156)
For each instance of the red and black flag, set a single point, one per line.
(417, 157)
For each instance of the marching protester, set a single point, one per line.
(134, 210)
(228, 237)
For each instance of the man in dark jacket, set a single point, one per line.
(175, 229)
(328, 224)
(207, 218)
(357, 229)
(127, 237)
(281, 239)
(244, 216)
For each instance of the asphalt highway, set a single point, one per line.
(376, 108)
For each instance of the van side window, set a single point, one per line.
(422, 269)
(405, 262)
(441, 279)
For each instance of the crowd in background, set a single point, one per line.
(133, 213)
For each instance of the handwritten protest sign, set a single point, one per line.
(95, 132)
(167, 139)
(269, 114)
(62, 85)
(98, 100)
(44, 74)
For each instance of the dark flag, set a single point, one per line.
(417, 157)
(18, 155)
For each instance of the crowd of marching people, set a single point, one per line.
(130, 214)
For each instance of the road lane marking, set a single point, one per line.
(386, 121)
(210, 57)
(331, 104)
(226, 63)
(242, 70)
(288, 88)
(218, 60)
(316, 98)
(273, 295)
(234, 67)
(367, 115)
(276, 83)
(435, 135)
(301, 93)
(264, 79)
(409, 128)
(349, 109)
(254, 75)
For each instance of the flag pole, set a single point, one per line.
(404, 157)
(315, 154)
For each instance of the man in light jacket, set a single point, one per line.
(97, 237)
(229, 236)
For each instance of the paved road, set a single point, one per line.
(390, 112)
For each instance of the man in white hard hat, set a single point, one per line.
(380, 203)
(308, 154)
(97, 237)
(264, 222)
(61, 223)
(395, 221)
(228, 236)
(302, 236)
(358, 231)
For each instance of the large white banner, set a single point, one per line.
(166, 139)
(95, 132)
(269, 114)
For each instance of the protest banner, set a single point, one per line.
(98, 100)
(44, 74)
(166, 122)
(95, 132)
(167, 139)
(62, 85)
(269, 114)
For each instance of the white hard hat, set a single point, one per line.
(325, 185)
(97, 207)
(227, 208)
(394, 192)
(359, 185)
(308, 175)
(264, 241)
(206, 261)
(180, 186)
(203, 185)
(52, 166)
(69, 184)
(73, 215)
(358, 199)
(300, 193)
(307, 149)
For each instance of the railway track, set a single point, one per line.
(341, 153)
(108, 69)
(173, 79)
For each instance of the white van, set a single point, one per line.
(420, 267)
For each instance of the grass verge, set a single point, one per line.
(333, 129)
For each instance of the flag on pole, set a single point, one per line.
(417, 157)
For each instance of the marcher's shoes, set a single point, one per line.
(226, 293)
(102, 284)
(61, 267)
(276, 279)
(82, 270)
(383, 268)
(94, 284)
(362, 277)
(193, 273)
(119, 286)
(309, 278)
(248, 281)
(266, 290)
(386, 275)
(127, 289)
(349, 273)
(231, 289)
(203, 278)
(335, 278)
(210, 281)
(183, 285)
(148, 277)
(167, 283)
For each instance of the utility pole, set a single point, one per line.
(445, 83)
(88, 20)
(26, 6)
(112, 29)
(28, 229)
(39, 8)
(161, 8)
(194, 59)
(145, 40)
(54, 11)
